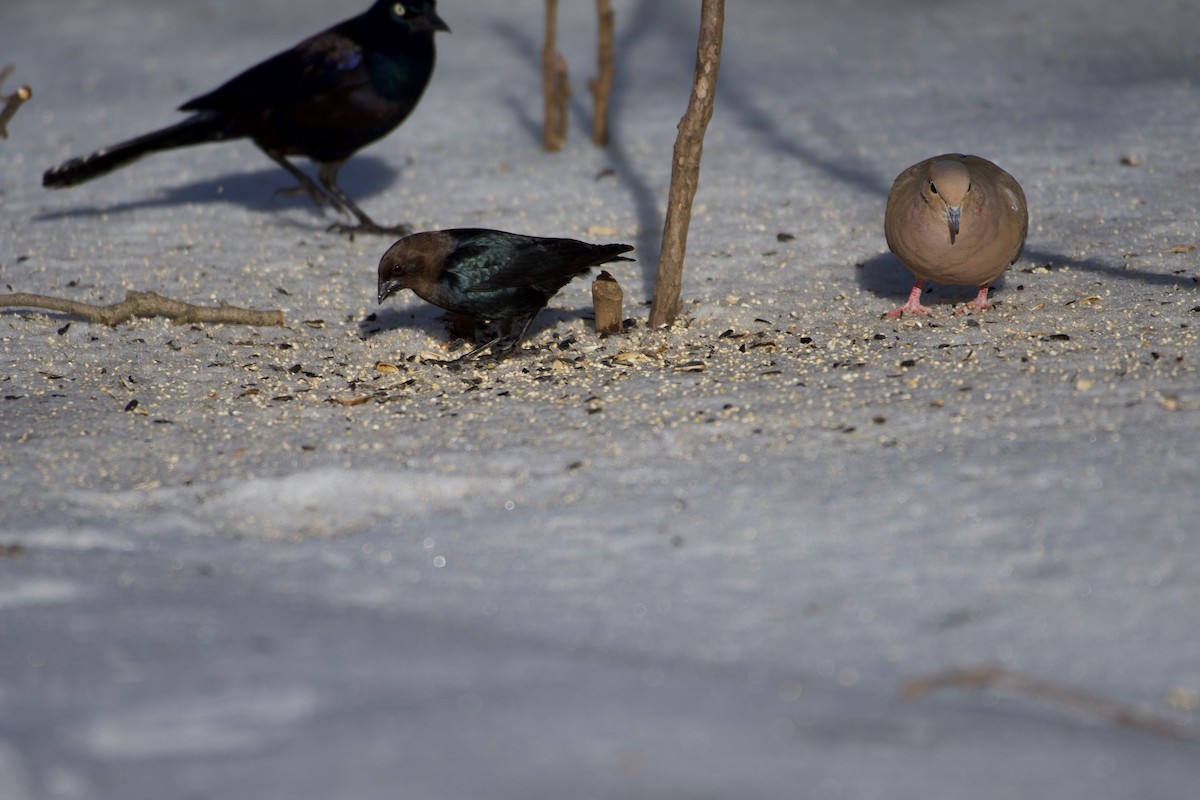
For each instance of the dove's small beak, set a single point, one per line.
(954, 213)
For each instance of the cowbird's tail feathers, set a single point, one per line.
(557, 261)
(205, 126)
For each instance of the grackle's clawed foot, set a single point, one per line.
(369, 226)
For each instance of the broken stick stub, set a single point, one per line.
(607, 298)
(11, 102)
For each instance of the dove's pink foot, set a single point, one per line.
(979, 306)
(913, 306)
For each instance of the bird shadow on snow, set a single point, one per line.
(435, 323)
(363, 176)
(884, 275)
(1057, 261)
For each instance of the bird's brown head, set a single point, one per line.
(413, 262)
(946, 191)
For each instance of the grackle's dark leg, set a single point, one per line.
(328, 174)
(307, 184)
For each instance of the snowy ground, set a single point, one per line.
(686, 564)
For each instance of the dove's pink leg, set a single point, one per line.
(980, 305)
(913, 306)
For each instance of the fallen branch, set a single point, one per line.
(11, 102)
(556, 88)
(602, 84)
(990, 676)
(685, 168)
(144, 304)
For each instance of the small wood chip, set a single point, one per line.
(629, 358)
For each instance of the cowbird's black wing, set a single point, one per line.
(548, 263)
(319, 64)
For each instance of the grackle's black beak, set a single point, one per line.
(433, 22)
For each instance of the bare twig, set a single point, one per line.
(991, 676)
(144, 304)
(11, 102)
(607, 299)
(685, 169)
(556, 88)
(602, 84)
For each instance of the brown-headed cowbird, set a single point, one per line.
(487, 274)
(325, 98)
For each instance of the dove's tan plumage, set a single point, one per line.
(955, 219)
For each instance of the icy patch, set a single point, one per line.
(324, 502)
(37, 592)
(234, 722)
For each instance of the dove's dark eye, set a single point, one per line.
(933, 188)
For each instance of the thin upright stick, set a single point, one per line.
(602, 84)
(685, 170)
(555, 88)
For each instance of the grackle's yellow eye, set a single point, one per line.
(398, 10)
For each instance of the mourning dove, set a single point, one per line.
(955, 219)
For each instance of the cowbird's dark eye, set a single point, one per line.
(933, 188)
(399, 11)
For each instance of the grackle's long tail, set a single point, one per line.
(205, 126)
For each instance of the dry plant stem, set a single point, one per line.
(989, 676)
(685, 170)
(555, 88)
(145, 304)
(607, 300)
(602, 84)
(12, 102)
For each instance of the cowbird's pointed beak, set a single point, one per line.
(387, 289)
(954, 213)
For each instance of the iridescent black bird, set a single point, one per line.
(324, 99)
(492, 275)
